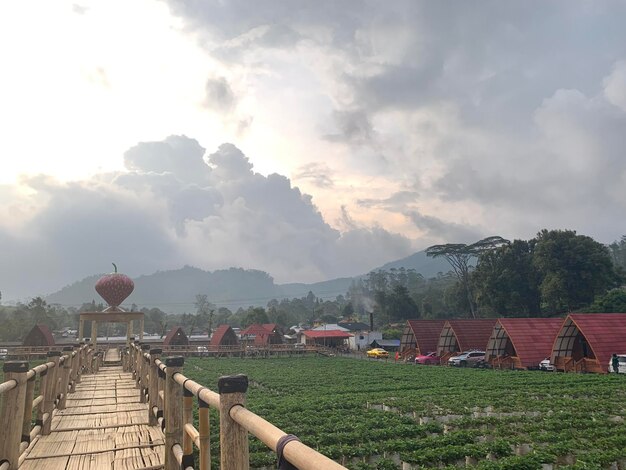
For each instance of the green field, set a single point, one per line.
(433, 417)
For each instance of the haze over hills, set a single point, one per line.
(175, 290)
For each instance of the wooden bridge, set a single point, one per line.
(84, 409)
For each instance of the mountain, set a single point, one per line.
(427, 267)
(175, 290)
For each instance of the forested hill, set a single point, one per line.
(175, 291)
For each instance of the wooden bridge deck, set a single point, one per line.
(104, 426)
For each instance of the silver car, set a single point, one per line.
(467, 358)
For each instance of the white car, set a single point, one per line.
(547, 365)
(467, 359)
(622, 364)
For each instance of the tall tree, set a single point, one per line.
(574, 269)
(205, 311)
(459, 255)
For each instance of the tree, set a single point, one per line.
(574, 269)
(253, 316)
(205, 310)
(506, 281)
(614, 301)
(400, 306)
(459, 256)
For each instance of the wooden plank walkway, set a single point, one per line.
(104, 426)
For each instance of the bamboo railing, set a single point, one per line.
(54, 380)
(170, 396)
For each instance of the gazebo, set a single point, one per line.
(520, 343)
(39, 335)
(420, 337)
(586, 341)
(462, 335)
(327, 338)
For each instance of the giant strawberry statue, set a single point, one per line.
(114, 288)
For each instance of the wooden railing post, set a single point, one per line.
(75, 366)
(138, 364)
(173, 411)
(28, 409)
(12, 412)
(187, 419)
(153, 387)
(233, 437)
(205, 437)
(145, 369)
(50, 392)
(65, 376)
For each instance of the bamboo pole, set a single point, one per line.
(12, 412)
(50, 392)
(153, 386)
(233, 437)
(172, 411)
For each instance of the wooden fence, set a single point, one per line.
(170, 396)
(53, 381)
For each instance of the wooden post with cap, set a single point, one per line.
(50, 392)
(65, 376)
(233, 437)
(173, 411)
(153, 386)
(12, 412)
(144, 371)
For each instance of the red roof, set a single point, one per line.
(605, 333)
(327, 334)
(426, 334)
(532, 338)
(223, 334)
(176, 335)
(257, 328)
(471, 333)
(39, 335)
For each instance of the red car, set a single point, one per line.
(430, 358)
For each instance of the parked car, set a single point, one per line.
(377, 353)
(467, 359)
(547, 365)
(622, 364)
(202, 351)
(430, 358)
(3, 354)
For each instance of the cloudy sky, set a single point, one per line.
(309, 139)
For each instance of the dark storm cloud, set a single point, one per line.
(354, 127)
(436, 228)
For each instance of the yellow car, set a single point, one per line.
(377, 353)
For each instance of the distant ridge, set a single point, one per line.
(174, 291)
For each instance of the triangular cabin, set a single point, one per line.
(420, 337)
(176, 337)
(464, 335)
(586, 341)
(39, 335)
(271, 330)
(224, 336)
(521, 343)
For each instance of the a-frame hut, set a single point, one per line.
(39, 335)
(520, 343)
(420, 337)
(462, 335)
(224, 336)
(176, 337)
(586, 341)
(272, 331)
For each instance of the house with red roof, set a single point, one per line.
(520, 343)
(39, 335)
(586, 341)
(268, 333)
(326, 338)
(463, 335)
(420, 337)
(224, 335)
(176, 337)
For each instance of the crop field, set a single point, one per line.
(369, 414)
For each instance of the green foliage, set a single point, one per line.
(613, 301)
